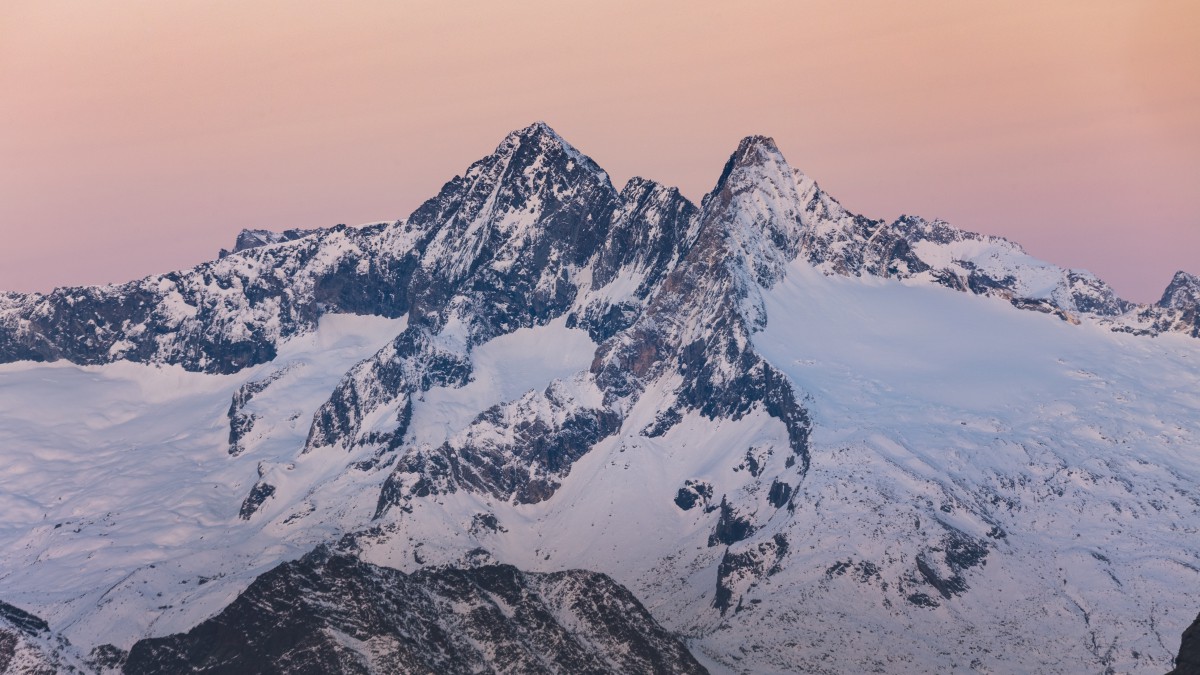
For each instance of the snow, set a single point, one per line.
(920, 393)
(116, 484)
(503, 369)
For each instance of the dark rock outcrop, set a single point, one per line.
(943, 567)
(259, 494)
(694, 493)
(739, 569)
(28, 647)
(22, 620)
(331, 613)
(1188, 660)
(1179, 307)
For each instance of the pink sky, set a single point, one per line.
(139, 137)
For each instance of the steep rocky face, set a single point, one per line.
(529, 234)
(837, 241)
(519, 451)
(506, 245)
(651, 230)
(28, 647)
(1179, 308)
(691, 335)
(1182, 293)
(698, 325)
(331, 613)
(1188, 660)
(508, 236)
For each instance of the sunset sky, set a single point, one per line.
(139, 137)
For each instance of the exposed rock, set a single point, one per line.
(218, 317)
(1188, 660)
(943, 567)
(780, 494)
(248, 239)
(28, 647)
(740, 569)
(732, 526)
(518, 451)
(331, 613)
(260, 493)
(694, 493)
(22, 620)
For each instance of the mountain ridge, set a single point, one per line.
(117, 319)
(738, 409)
(201, 332)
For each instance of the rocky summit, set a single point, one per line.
(543, 424)
(331, 613)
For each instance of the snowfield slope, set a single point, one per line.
(804, 439)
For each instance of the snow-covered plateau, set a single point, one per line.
(545, 425)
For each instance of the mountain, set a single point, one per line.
(802, 439)
(331, 613)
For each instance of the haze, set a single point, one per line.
(139, 137)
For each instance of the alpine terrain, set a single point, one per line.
(547, 425)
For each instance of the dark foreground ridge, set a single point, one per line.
(332, 613)
(1188, 661)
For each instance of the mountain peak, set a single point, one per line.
(544, 139)
(535, 132)
(756, 142)
(755, 156)
(756, 205)
(1182, 292)
(1182, 277)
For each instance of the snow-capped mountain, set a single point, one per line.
(805, 440)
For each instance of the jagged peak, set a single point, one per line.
(538, 128)
(1183, 291)
(528, 160)
(754, 153)
(546, 140)
(537, 145)
(756, 209)
(755, 142)
(540, 133)
(637, 188)
(1182, 277)
(916, 228)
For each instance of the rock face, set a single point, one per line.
(331, 613)
(28, 647)
(691, 334)
(1180, 305)
(1188, 660)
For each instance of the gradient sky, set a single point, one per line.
(139, 137)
